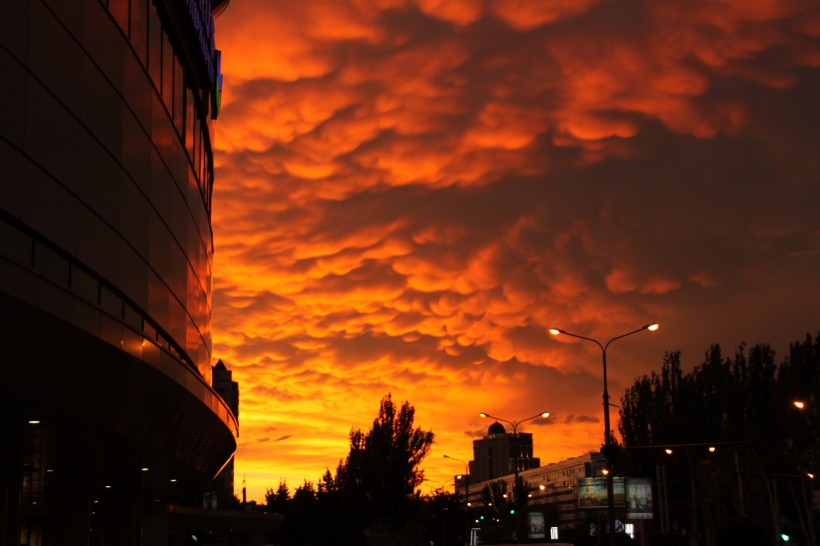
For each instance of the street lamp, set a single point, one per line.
(514, 425)
(466, 477)
(610, 503)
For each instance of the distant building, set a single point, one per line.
(225, 386)
(500, 453)
(228, 389)
(552, 489)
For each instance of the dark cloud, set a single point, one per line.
(409, 193)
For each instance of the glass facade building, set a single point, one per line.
(106, 178)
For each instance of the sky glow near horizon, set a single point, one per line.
(410, 193)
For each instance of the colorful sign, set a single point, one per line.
(535, 525)
(592, 492)
(638, 498)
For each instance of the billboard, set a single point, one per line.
(592, 492)
(535, 524)
(639, 498)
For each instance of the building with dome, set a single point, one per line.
(501, 453)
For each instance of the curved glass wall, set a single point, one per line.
(107, 160)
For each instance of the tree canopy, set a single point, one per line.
(742, 407)
(375, 483)
(382, 469)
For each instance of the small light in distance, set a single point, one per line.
(668, 451)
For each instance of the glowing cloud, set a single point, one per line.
(409, 193)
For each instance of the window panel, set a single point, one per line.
(190, 121)
(167, 73)
(154, 46)
(179, 97)
(139, 29)
(119, 9)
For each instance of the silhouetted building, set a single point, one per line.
(106, 175)
(228, 389)
(500, 453)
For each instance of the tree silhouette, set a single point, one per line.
(382, 469)
(742, 407)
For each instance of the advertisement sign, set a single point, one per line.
(592, 492)
(535, 524)
(639, 498)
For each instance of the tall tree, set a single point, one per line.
(382, 468)
(743, 407)
(277, 500)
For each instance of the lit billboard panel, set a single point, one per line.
(639, 498)
(592, 492)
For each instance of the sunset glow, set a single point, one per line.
(410, 193)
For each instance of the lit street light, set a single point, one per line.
(465, 478)
(607, 432)
(514, 425)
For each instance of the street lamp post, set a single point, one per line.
(610, 502)
(514, 425)
(466, 478)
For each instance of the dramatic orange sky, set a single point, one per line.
(409, 193)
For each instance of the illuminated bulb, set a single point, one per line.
(653, 327)
(799, 404)
(555, 331)
(668, 451)
(711, 449)
(605, 471)
(542, 487)
(810, 475)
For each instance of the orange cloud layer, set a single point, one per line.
(409, 193)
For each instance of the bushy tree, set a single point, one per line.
(277, 500)
(376, 481)
(382, 469)
(742, 406)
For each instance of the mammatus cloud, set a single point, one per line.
(409, 193)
